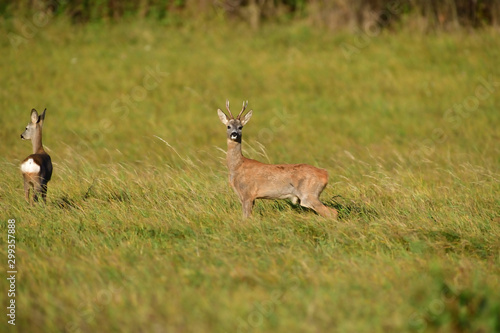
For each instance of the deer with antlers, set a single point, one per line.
(251, 179)
(36, 168)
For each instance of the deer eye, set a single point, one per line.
(240, 127)
(228, 127)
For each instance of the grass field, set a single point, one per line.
(141, 232)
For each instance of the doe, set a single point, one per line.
(251, 179)
(36, 168)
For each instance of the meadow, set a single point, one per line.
(141, 232)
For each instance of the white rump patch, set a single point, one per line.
(30, 167)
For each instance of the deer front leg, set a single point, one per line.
(247, 207)
(26, 189)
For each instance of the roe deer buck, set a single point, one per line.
(36, 168)
(252, 179)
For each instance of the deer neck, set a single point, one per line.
(36, 142)
(234, 156)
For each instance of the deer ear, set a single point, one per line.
(42, 116)
(34, 116)
(222, 116)
(246, 118)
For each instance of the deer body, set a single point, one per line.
(37, 167)
(251, 179)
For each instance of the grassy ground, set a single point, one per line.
(142, 233)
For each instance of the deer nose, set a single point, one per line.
(234, 135)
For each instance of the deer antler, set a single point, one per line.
(245, 104)
(227, 108)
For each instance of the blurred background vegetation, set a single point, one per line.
(332, 14)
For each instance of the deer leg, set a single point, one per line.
(334, 212)
(26, 189)
(44, 192)
(247, 207)
(325, 211)
(318, 207)
(37, 189)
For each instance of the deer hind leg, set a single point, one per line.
(312, 201)
(318, 207)
(327, 211)
(334, 213)
(37, 190)
(44, 191)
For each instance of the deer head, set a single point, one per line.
(34, 126)
(234, 125)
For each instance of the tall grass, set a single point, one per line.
(142, 232)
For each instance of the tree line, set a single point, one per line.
(331, 14)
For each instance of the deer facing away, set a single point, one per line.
(251, 179)
(36, 168)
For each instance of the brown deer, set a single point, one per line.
(36, 168)
(251, 179)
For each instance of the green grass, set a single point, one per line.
(142, 233)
